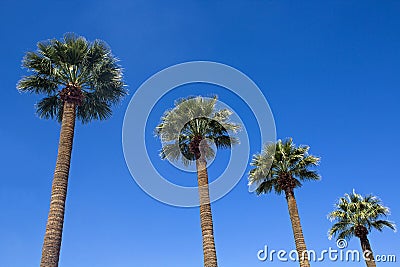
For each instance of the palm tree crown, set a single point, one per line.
(73, 70)
(356, 215)
(188, 130)
(282, 167)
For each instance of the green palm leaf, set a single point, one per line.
(354, 210)
(282, 166)
(74, 62)
(195, 118)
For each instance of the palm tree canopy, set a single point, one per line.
(193, 125)
(75, 70)
(354, 211)
(282, 166)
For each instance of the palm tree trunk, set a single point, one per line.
(55, 220)
(297, 230)
(209, 252)
(367, 252)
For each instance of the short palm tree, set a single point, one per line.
(355, 215)
(187, 132)
(282, 167)
(79, 80)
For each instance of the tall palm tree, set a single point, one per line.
(187, 132)
(282, 167)
(79, 80)
(356, 215)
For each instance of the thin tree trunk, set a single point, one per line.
(209, 252)
(55, 220)
(297, 231)
(367, 252)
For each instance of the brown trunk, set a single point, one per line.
(55, 220)
(209, 253)
(367, 252)
(297, 231)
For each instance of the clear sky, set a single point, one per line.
(329, 70)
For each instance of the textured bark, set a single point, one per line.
(297, 231)
(209, 252)
(367, 252)
(55, 220)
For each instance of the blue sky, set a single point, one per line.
(329, 70)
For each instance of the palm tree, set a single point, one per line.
(79, 80)
(356, 215)
(187, 132)
(282, 167)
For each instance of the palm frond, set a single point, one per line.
(283, 159)
(73, 60)
(93, 107)
(50, 107)
(353, 210)
(38, 84)
(196, 117)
